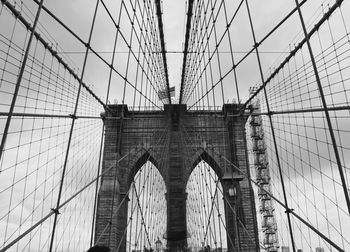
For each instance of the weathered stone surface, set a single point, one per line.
(175, 141)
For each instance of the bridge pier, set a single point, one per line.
(176, 196)
(122, 220)
(107, 228)
(176, 224)
(110, 228)
(179, 157)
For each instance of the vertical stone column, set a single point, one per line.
(176, 196)
(111, 218)
(106, 227)
(122, 220)
(176, 226)
(110, 227)
(247, 231)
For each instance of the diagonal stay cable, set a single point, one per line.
(211, 209)
(253, 49)
(236, 168)
(324, 103)
(53, 52)
(187, 35)
(250, 51)
(317, 26)
(142, 217)
(139, 41)
(162, 43)
(114, 214)
(230, 239)
(19, 79)
(225, 198)
(93, 51)
(305, 222)
(148, 150)
(52, 212)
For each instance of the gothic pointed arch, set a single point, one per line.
(209, 159)
(142, 159)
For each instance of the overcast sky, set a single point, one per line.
(295, 134)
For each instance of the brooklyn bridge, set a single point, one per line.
(188, 125)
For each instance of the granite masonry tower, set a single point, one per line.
(155, 136)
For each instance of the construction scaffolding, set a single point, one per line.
(262, 175)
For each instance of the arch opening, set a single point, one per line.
(209, 160)
(146, 157)
(147, 215)
(206, 224)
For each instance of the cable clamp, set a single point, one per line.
(289, 210)
(73, 116)
(55, 211)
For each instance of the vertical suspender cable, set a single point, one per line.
(324, 103)
(19, 79)
(55, 210)
(288, 210)
(162, 43)
(187, 36)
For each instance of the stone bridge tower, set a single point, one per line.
(139, 136)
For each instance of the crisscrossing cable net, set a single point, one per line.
(65, 65)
